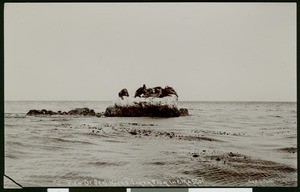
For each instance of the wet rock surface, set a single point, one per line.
(77, 111)
(145, 111)
(118, 111)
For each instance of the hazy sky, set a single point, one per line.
(207, 52)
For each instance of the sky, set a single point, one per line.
(205, 51)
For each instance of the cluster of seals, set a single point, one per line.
(150, 92)
(155, 92)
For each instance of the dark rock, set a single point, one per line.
(99, 114)
(133, 132)
(144, 111)
(92, 112)
(82, 111)
(77, 111)
(195, 155)
(34, 112)
(40, 112)
(231, 154)
(183, 112)
(113, 112)
(50, 112)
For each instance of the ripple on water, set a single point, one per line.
(106, 163)
(70, 141)
(288, 149)
(236, 169)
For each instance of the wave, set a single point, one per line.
(14, 115)
(288, 149)
(237, 169)
(70, 141)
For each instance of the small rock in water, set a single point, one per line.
(232, 154)
(195, 155)
(133, 132)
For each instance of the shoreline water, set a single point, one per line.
(240, 144)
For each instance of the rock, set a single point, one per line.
(231, 154)
(99, 114)
(40, 112)
(195, 155)
(113, 112)
(183, 112)
(144, 111)
(35, 112)
(82, 111)
(137, 110)
(92, 112)
(133, 132)
(77, 111)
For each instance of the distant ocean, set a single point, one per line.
(218, 144)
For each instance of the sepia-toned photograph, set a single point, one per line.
(150, 95)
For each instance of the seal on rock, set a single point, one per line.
(169, 91)
(153, 92)
(123, 93)
(158, 91)
(141, 91)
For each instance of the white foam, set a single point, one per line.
(170, 101)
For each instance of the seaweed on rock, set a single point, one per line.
(155, 107)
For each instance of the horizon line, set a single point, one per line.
(178, 101)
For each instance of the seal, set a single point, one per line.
(168, 91)
(141, 91)
(156, 91)
(150, 92)
(123, 93)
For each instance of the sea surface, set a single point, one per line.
(218, 144)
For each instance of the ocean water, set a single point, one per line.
(218, 144)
